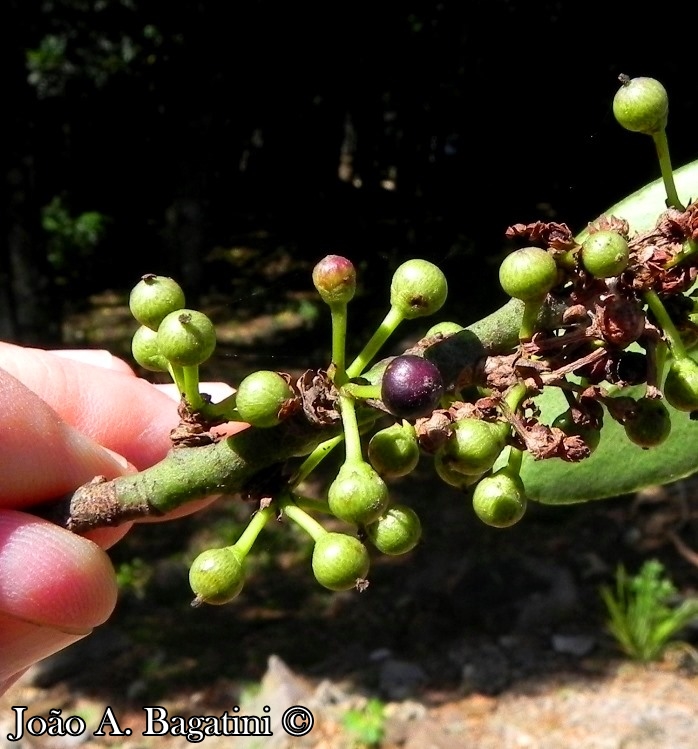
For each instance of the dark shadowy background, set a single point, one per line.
(232, 145)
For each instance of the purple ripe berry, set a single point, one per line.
(412, 387)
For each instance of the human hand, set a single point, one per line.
(66, 417)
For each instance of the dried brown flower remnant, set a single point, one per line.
(691, 219)
(433, 431)
(656, 255)
(610, 223)
(620, 320)
(319, 397)
(543, 442)
(554, 235)
(500, 372)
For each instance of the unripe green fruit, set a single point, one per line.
(340, 561)
(473, 446)
(591, 436)
(186, 338)
(335, 279)
(499, 500)
(418, 288)
(605, 254)
(217, 576)
(260, 398)
(641, 105)
(445, 328)
(681, 385)
(448, 475)
(650, 423)
(394, 451)
(396, 532)
(358, 494)
(144, 348)
(153, 298)
(528, 274)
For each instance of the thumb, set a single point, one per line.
(54, 588)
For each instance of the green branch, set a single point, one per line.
(246, 460)
(234, 464)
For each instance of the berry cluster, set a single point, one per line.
(599, 312)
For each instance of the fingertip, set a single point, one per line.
(52, 577)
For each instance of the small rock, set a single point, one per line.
(380, 654)
(577, 645)
(327, 694)
(484, 668)
(280, 689)
(400, 679)
(401, 718)
(408, 710)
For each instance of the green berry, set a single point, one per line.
(605, 254)
(681, 385)
(261, 397)
(445, 328)
(186, 338)
(153, 298)
(450, 476)
(473, 447)
(499, 500)
(358, 494)
(418, 289)
(528, 274)
(570, 427)
(144, 347)
(641, 105)
(217, 576)
(394, 451)
(649, 423)
(396, 532)
(335, 279)
(340, 561)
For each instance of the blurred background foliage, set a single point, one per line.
(232, 146)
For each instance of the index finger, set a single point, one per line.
(111, 406)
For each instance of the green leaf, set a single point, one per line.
(618, 466)
(642, 208)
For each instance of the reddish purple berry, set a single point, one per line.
(412, 387)
(335, 279)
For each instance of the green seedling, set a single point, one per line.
(366, 725)
(642, 615)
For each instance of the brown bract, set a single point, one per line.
(551, 234)
(610, 223)
(319, 397)
(543, 442)
(652, 251)
(500, 371)
(194, 428)
(434, 430)
(620, 320)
